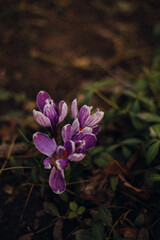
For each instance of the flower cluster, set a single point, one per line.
(77, 138)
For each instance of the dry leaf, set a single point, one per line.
(128, 232)
(115, 168)
(57, 231)
(143, 234)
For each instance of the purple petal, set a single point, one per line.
(76, 157)
(44, 144)
(90, 140)
(61, 163)
(41, 99)
(60, 150)
(49, 111)
(80, 134)
(74, 108)
(70, 147)
(56, 181)
(95, 129)
(83, 114)
(94, 119)
(63, 109)
(66, 132)
(46, 163)
(41, 119)
(75, 126)
(80, 146)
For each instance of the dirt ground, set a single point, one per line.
(60, 45)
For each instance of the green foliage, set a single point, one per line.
(75, 210)
(73, 206)
(51, 208)
(152, 152)
(105, 215)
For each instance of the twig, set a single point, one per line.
(106, 100)
(18, 167)
(9, 154)
(123, 216)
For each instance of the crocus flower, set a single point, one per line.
(58, 156)
(77, 142)
(56, 160)
(49, 115)
(85, 118)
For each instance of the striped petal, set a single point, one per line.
(90, 141)
(74, 108)
(95, 129)
(83, 114)
(75, 127)
(60, 150)
(63, 109)
(41, 119)
(41, 99)
(44, 144)
(94, 119)
(66, 132)
(61, 163)
(49, 111)
(76, 157)
(57, 181)
(70, 147)
(46, 163)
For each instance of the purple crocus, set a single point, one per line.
(49, 115)
(85, 118)
(77, 142)
(58, 156)
(56, 160)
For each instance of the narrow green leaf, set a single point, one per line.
(139, 221)
(34, 174)
(42, 189)
(81, 210)
(147, 101)
(152, 152)
(73, 206)
(64, 196)
(23, 135)
(154, 177)
(130, 93)
(113, 147)
(105, 215)
(102, 159)
(96, 150)
(132, 141)
(100, 84)
(113, 182)
(51, 208)
(148, 117)
(88, 97)
(126, 152)
(72, 214)
(83, 235)
(156, 129)
(97, 231)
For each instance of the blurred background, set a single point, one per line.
(59, 46)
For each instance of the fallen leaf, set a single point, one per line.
(128, 232)
(57, 231)
(115, 168)
(8, 189)
(143, 234)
